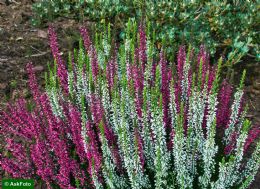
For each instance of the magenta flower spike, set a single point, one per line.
(59, 146)
(212, 74)
(223, 111)
(14, 124)
(90, 49)
(142, 47)
(93, 154)
(16, 169)
(203, 57)
(20, 165)
(75, 125)
(33, 83)
(61, 69)
(181, 58)
(43, 161)
(253, 135)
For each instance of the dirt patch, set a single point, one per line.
(21, 43)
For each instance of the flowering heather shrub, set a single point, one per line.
(122, 116)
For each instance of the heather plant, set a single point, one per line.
(122, 116)
(229, 26)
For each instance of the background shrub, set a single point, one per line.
(223, 26)
(122, 116)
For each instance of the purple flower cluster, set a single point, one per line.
(41, 143)
(20, 166)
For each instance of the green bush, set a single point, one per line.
(220, 25)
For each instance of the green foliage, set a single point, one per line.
(220, 25)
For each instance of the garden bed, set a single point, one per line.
(21, 43)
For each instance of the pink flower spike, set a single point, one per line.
(142, 47)
(223, 110)
(61, 69)
(253, 135)
(93, 153)
(75, 124)
(180, 62)
(33, 82)
(90, 49)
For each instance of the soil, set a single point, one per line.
(21, 43)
